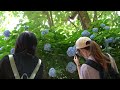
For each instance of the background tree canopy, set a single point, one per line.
(57, 32)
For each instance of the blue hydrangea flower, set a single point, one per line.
(109, 40)
(85, 33)
(47, 47)
(117, 38)
(95, 30)
(102, 25)
(71, 67)
(44, 32)
(71, 51)
(107, 28)
(0, 49)
(26, 28)
(52, 72)
(106, 41)
(12, 50)
(92, 36)
(6, 33)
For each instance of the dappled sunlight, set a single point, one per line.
(57, 33)
(10, 20)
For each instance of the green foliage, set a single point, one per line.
(61, 36)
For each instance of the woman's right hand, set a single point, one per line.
(76, 60)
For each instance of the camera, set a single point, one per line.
(77, 54)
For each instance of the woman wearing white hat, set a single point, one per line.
(91, 51)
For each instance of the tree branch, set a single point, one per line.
(72, 23)
(74, 13)
(100, 14)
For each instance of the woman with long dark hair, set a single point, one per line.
(23, 63)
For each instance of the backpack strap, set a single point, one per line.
(35, 70)
(13, 66)
(96, 66)
(113, 63)
(15, 71)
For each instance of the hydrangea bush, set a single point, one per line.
(56, 46)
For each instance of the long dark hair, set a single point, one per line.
(27, 42)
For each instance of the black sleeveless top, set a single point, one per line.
(25, 63)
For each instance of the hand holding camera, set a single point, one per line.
(76, 60)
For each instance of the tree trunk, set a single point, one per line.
(51, 18)
(95, 16)
(48, 17)
(84, 19)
